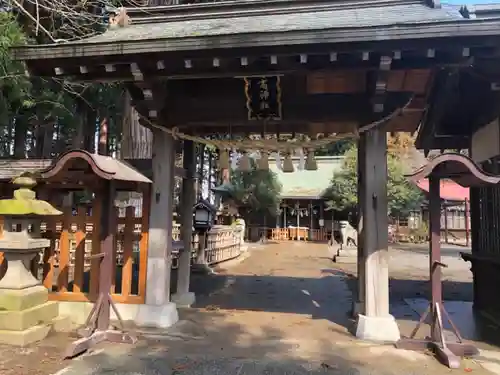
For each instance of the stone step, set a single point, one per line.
(26, 337)
(25, 319)
(62, 323)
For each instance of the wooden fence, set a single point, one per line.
(66, 269)
(289, 234)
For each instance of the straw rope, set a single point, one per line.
(275, 145)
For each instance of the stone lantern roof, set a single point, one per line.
(24, 202)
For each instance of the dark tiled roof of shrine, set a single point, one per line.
(258, 23)
(303, 184)
(151, 26)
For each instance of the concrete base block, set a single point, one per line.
(26, 337)
(162, 316)
(184, 299)
(62, 324)
(22, 299)
(22, 320)
(377, 328)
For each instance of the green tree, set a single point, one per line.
(402, 195)
(40, 116)
(336, 148)
(259, 191)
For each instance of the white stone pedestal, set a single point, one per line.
(184, 299)
(18, 276)
(159, 316)
(377, 328)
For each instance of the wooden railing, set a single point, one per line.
(222, 243)
(292, 233)
(66, 268)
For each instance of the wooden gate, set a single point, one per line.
(65, 268)
(485, 235)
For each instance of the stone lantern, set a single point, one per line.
(25, 312)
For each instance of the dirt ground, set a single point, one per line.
(39, 359)
(409, 272)
(283, 310)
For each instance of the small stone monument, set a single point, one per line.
(26, 315)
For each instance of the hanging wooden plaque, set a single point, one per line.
(263, 98)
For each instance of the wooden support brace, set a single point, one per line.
(96, 328)
(448, 353)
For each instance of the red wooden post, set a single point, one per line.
(467, 229)
(102, 147)
(435, 251)
(445, 211)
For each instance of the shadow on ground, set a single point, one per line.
(330, 297)
(327, 297)
(209, 343)
(446, 249)
(271, 314)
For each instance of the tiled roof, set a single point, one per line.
(450, 190)
(118, 169)
(301, 184)
(308, 184)
(243, 24)
(350, 17)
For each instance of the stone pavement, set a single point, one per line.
(283, 310)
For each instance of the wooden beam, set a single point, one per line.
(441, 93)
(243, 66)
(381, 84)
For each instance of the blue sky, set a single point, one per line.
(463, 2)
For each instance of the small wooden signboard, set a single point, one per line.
(263, 98)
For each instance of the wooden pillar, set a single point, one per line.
(322, 214)
(445, 211)
(376, 323)
(297, 212)
(107, 232)
(311, 224)
(285, 225)
(183, 297)
(158, 310)
(359, 298)
(435, 250)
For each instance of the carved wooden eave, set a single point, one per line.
(457, 167)
(76, 166)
